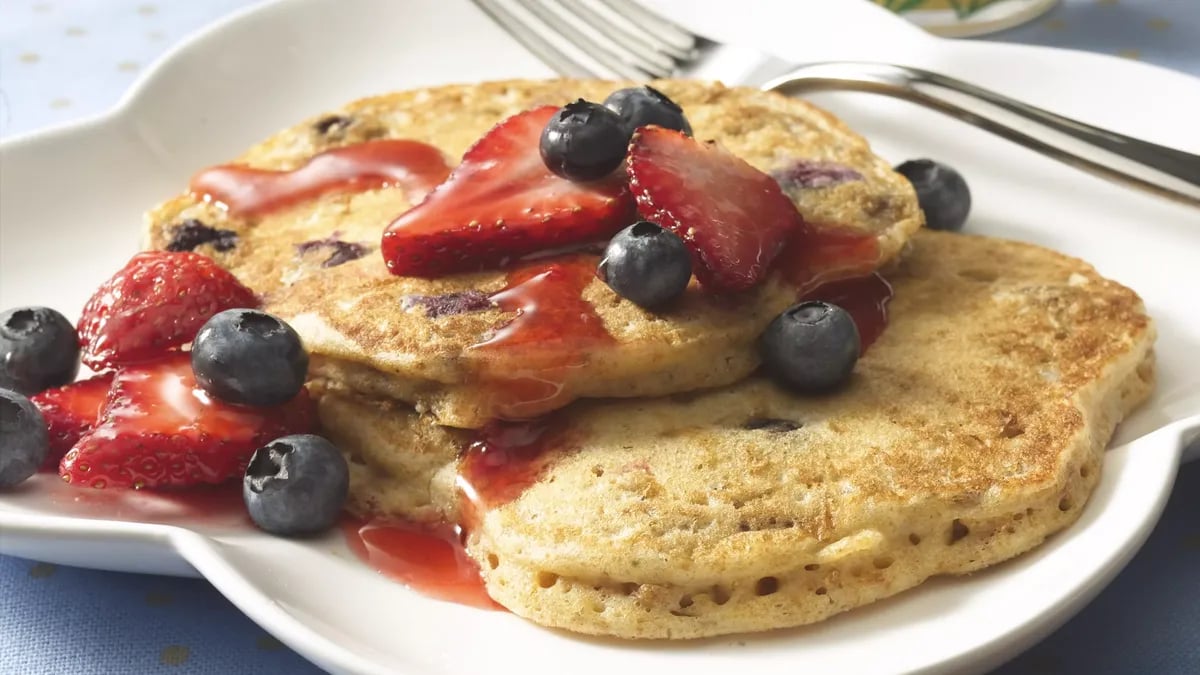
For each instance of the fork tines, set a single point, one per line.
(596, 38)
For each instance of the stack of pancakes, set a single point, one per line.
(677, 492)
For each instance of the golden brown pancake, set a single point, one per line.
(408, 339)
(969, 432)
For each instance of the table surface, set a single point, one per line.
(66, 59)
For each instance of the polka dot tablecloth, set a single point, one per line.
(61, 60)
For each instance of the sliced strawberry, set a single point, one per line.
(733, 217)
(71, 411)
(502, 203)
(154, 304)
(159, 429)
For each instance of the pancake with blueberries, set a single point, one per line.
(972, 429)
(499, 336)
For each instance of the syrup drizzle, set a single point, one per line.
(836, 264)
(865, 298)
(554, 329)
(244, 191)
(547, 297)
(815, 255)
(430, 559)
(503, 460)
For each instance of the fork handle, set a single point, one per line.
(1164, 171)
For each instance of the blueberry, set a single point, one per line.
(192, 233)
(340, 252)
(39, 349)
(296, 485)
(249, 357)
(24, 441)
(584, 141)
(646, 264)
(332, 124)
(811, 347)
(640, 106)
(941, 191)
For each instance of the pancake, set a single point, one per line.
(969, 432)
(416, 339)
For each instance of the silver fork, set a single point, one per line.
(622, 39)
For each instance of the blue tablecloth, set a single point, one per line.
(65, 59)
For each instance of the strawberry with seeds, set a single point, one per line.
(158, 428)
(70, 412)
(155, 304)
(502, 203)
(733, 217)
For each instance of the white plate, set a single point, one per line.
(71, 200)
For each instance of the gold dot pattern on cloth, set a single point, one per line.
(42, 570)
(76, 31)
(29, 57)
(1130, 53)
(1158, 24)
(60, 103)
(1192, 543)
(155, 35)
(147, 10)
(127, 66)
(1106, 3)
(1055, 25)
(42, 7)
(174, 655)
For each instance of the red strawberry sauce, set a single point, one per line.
(865, 298)
(554, 330)
(551, 313)
(244, 191)
(502, 461)
(427, 558)
(814, 255)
